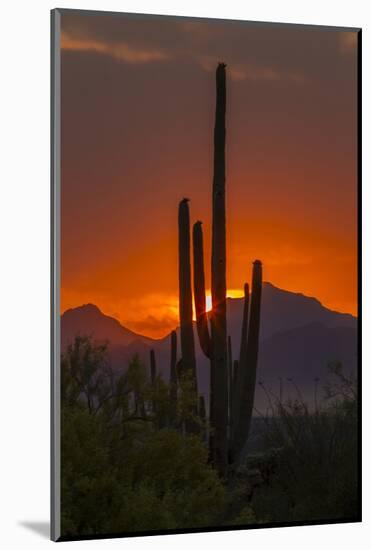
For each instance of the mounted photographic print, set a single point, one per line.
(205, 268)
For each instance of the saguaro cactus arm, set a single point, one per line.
(244, 326)
(185, 291)
(199, 289)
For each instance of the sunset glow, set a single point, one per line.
(231, 293)
(209, 304)
(138, 112)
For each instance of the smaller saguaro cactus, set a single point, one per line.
(245, 318)
(202, 408)
(173, 356)
(239, 365)
(235, 368)
(234, 410)
(152, 360)
(173, 393)
(247, 370)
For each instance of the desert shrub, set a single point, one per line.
(125, 467)
(122, 468)
(315, 474)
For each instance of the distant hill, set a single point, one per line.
(299, 337)
(89, 320)
(283, 310)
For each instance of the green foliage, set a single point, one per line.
(87, 478)
(123, 469)
(245, 517)
(85, 374)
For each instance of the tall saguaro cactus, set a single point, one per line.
(185, 292)
(219, 378)
(245, 387)
(232, 382)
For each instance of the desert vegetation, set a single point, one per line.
(128, 462)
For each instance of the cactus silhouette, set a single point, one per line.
(202, 407)
(232, 383)
(214, 344)
(245, 317)
(187, 365)
(219, 366)
(238, 374)
(235, 369)
(152, 360)
(185, 292)
(173, 394)
(246, 372)
(199, 290)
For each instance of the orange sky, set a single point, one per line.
(137, 121)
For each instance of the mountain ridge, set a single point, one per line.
(299, 337)
(88, 319)
(89, 309)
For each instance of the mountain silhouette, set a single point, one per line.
(88, 320)
(283, 310)
(299, 337)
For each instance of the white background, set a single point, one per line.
(24, 268)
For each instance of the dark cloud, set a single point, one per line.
(257, 52)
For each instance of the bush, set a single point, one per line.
(121, 471)
(315, 474)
